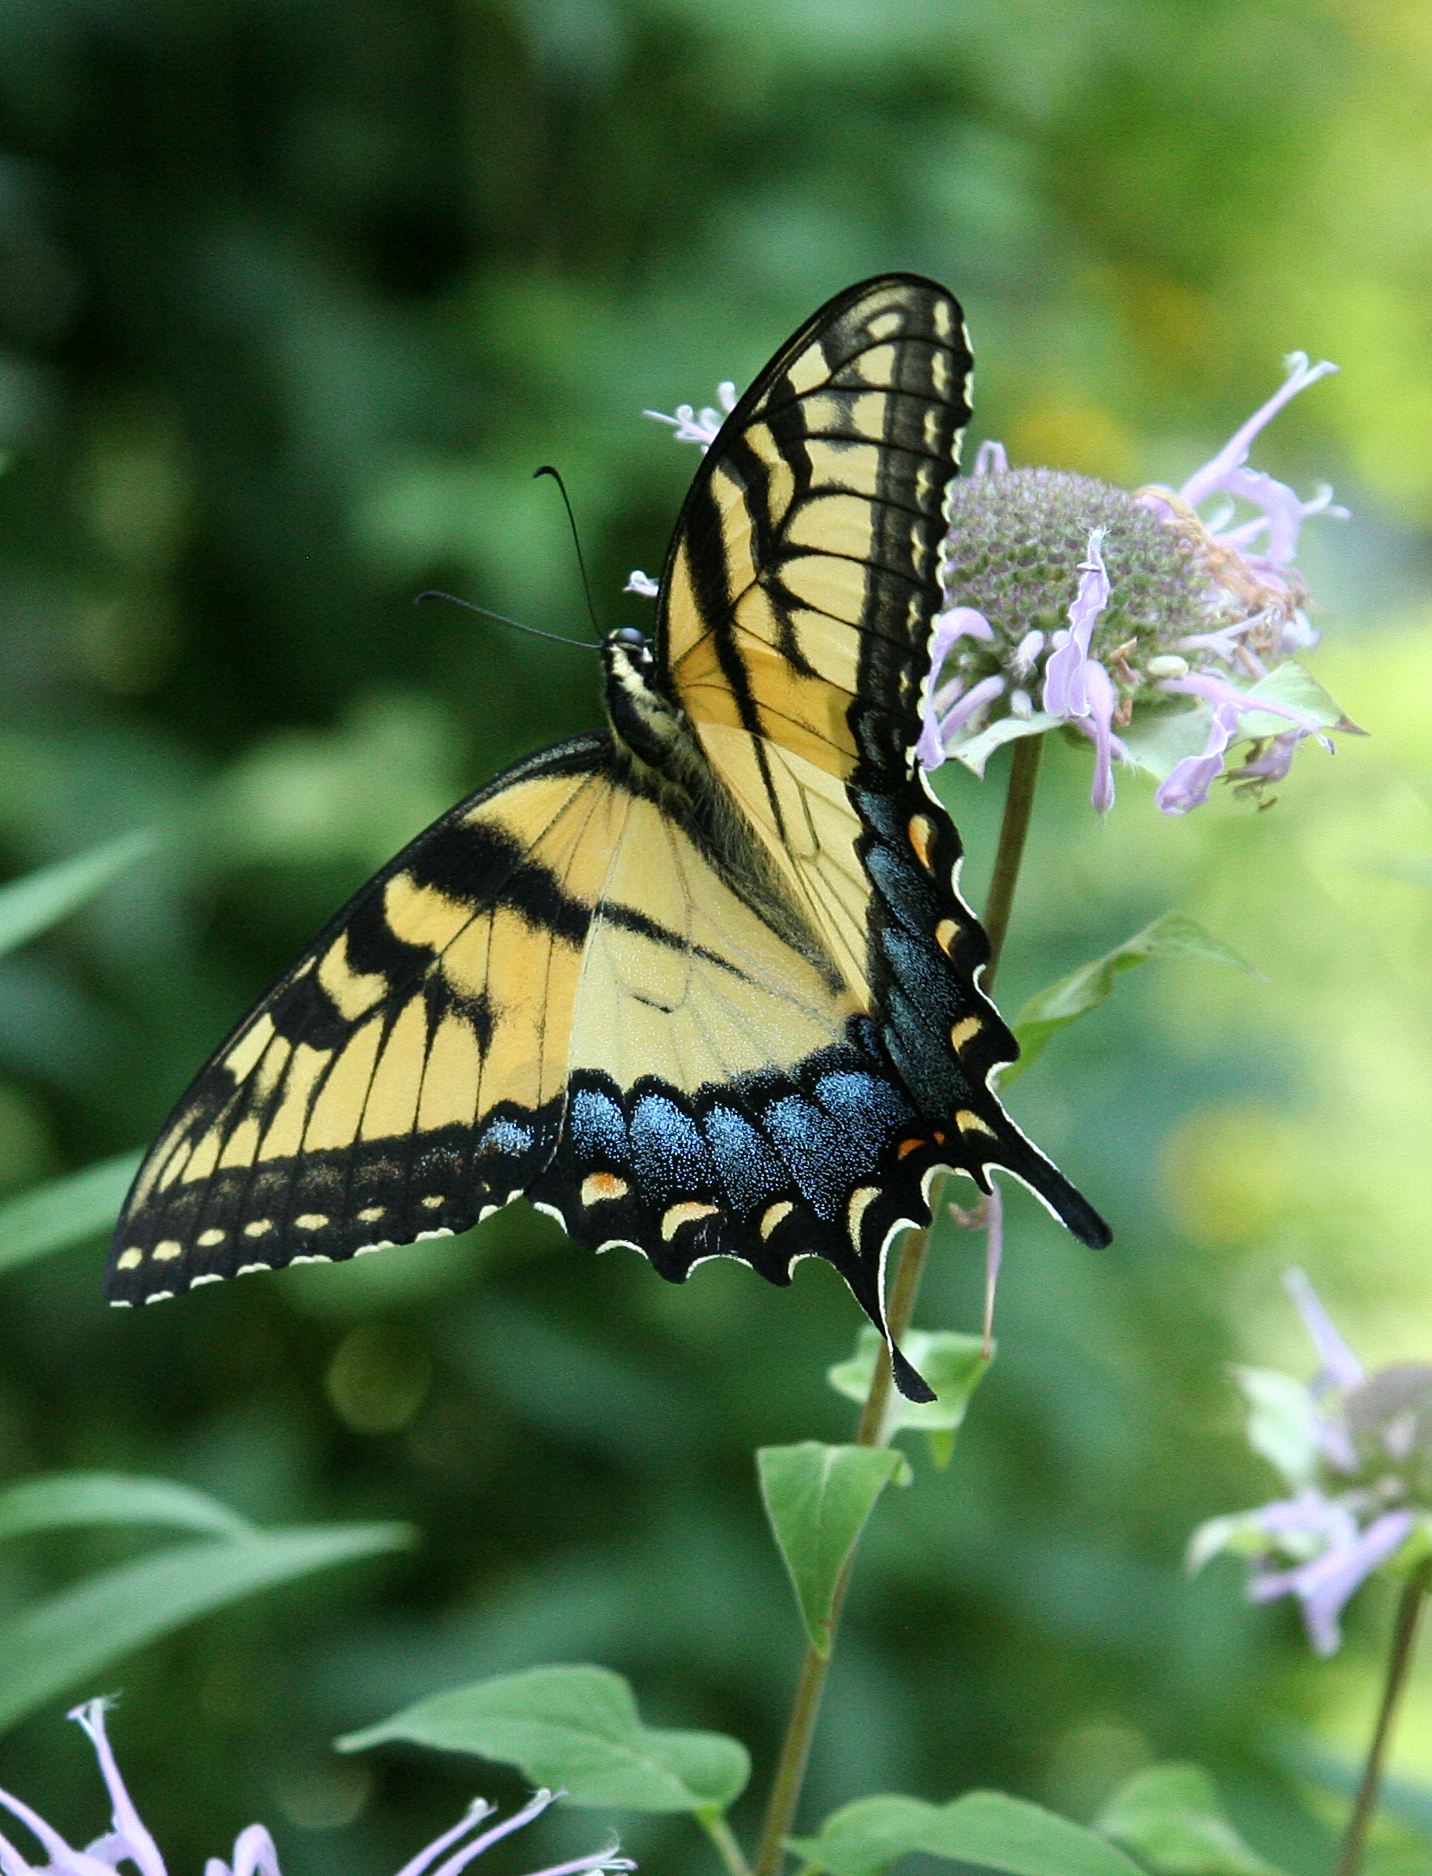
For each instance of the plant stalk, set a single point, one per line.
(1399, 1660)
(1018, 806)
(724, 1838)
(874, 1429)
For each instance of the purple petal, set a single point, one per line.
(534, 1807)
(471, 1818)
(1101, 709)
(598, 1861)
(1186, 786)
(11, 1861)
(1215, 473)
(1218, 690)
(254, 1853)
(990, 459)
(127, 1821)
(951, 626)
(1323, 1587)
(1066, 691)
(1341, 1368)
(1311, 1514)
(994, 1256)
(968, 706)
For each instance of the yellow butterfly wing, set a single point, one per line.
(408, 1074)
(797, 613)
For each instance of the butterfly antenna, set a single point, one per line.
(502, 619)
(556, 475)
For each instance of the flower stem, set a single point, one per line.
(874, 1428)
(1018, 806)
(1404, 1636)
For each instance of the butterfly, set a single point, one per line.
(701, 982)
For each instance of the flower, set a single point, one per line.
(1112, 607)
(700, 427)
(1167, 605)
(253, 1852)
(1357, 1450)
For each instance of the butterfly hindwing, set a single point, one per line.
(798, 607)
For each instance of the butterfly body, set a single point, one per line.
(701, 982)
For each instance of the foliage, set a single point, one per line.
(292, 301)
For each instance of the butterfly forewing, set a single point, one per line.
(408, 1073)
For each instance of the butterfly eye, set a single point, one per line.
(629, 635)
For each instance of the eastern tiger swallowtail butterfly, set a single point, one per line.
(701, 982)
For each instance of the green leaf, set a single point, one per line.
(36, 901)
(71, 1498)
(817, 1499)
(1297, 689)
(953, 1364)
(1158, 740)
(65, 1211)
(975, 751)
(1242, 1533)
(66, 1640)
(986, 1827)
(1170, 1818)
(1172, 936)
(1282, 1422)
(578, 1728)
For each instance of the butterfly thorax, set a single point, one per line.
(651, 728)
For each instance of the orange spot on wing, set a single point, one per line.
(921, 831)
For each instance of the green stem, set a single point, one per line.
(727, 1848)
(874, 1427)
(1018, 806)
(1399, 1660)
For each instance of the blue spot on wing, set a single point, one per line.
(667, 1148)
(598, 1127)
(864, 1102)
(749, 1170)
(505, 1137)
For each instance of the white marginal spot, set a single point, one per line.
(120, 1302)
(432, 1200)
(370, 1214)
(309, 1257)
(205, 1276)
(256, 1227)
(128, 1259)
(166, 1252)
(311, 1221)
(442, 1232)
(861, 1199)
(383, 1244)
(245, 1270)
(207, 1239)
(159, 1296)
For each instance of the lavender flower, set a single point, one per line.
(1357, 1451)
(253, 1853)
(1167, 605)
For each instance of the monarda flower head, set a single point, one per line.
(1164, 637)
(1356, 1452)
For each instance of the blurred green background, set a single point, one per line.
(293, 299)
